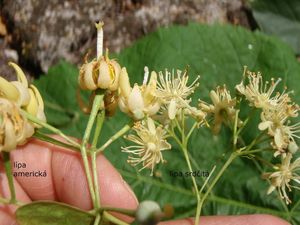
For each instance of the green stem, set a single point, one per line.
(50, 128)
(128, 212)
(113, 138)
(215, 180)
(187, 159)
(96, 105)
(43, 137)
(99, 123)
(97, 220)
(113, 219)
(9, 175)
(8, 201)
(191, 131)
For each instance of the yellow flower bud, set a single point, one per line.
(14, 127)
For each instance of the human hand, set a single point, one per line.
(66, 182)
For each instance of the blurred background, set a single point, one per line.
(37, 34)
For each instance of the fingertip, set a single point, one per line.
(114, 191)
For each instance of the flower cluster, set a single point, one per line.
(277, 110)
(14, 96)
(166, 96)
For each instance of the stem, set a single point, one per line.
(215, 180)
(96, 105)
(191, 131)
(97, 220)
(99, 123)
(113, 138)
(41, 136)
(187, 159)
(8, 201)
(49, 127)
(128, 212)
(235, 135)
(113, 219)
(9, 175)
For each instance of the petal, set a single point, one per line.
(172, 109)
(117, 70)
(150, 88)
(8, 90)
(124, 83)
(135, 99)
(32, 106)
(278, 138)
(85, 79)
(104, 79)
(151, 126)
(20, 74)
(23, 93)
(264, 125)
(122, 105)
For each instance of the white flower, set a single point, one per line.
(150, 142)
(285, 173)
(222, 108)
(276, 121)
(173, 90)
(258, 93)
(14, 127)
(138, 101)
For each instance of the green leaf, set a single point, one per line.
(280, 18)
(50, 213)
(218, 54)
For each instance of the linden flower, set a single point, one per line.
(14, 127)
(102, 73)
(139, 100)
(24, 95)
(284, 134)
(150, 141)
(174, 91)
(275, 121)
(284, 175)
(258, 93)
(222, 108)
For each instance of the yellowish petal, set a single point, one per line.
(104, 77)
(20, 74)
(172, 109)
(10, 141)
(117, 70)
(85, 79)
(32, 106)
(135, 99)
(264, 125)
(278, 138)
(151, 126)
(8, 90)
(23, 93)
(125, 88)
